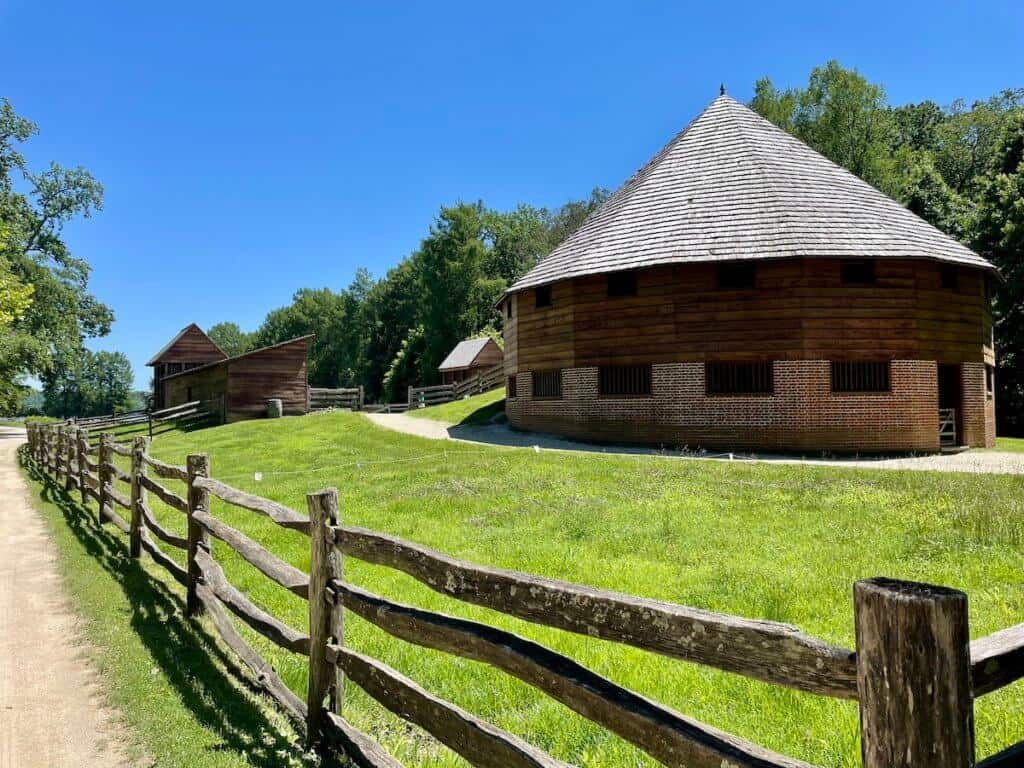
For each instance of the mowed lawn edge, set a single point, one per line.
(775, 542)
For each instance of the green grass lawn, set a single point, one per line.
(472, 410)
(1011, 444)
(779, 542)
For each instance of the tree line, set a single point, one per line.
(390, 333)
(46, 310)
(959, 166)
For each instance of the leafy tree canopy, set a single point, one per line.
(46, 311)
(231, 339)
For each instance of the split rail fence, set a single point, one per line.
(914, 674)
(492, 378)
(193, 414)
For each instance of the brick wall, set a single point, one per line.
(978, 420)
(803, 414)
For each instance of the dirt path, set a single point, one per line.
(985, 462)
(49, 714)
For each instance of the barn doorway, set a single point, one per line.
(950, 405)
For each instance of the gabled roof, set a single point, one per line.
(206, 348)
(465, 354)
(733, 186)
(242, 356)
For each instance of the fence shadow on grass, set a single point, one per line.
(208, 682)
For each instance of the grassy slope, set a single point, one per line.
(472, 410)
(776, 542)
(1011, 444)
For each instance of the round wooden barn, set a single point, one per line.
(742, 291)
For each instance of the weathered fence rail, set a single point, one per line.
(914, 674)
(422, 397)
(321, 399)
(187, 415)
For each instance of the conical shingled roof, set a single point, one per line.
(733, 186)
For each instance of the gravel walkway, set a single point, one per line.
(50, 715)
(985, 462)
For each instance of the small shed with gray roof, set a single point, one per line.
(743, 291)
(470, 357)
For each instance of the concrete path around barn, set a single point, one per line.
(983, 462)
(50, 713)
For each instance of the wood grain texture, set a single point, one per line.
(325, 618)
(151, 524)
(198, 466)
(763, 650)
(480, 743)
(271, 566)
(159, 556)
(265, 677)
(666, 735)
(913, 675)
(280, 514)
(997, 659)
(140, 445)
(276, 631)
(799, 310)
(117, 473)
(120, 450)
(117, 497)
(108, 514)
(167, 471)
(165, 495)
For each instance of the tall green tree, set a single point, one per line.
(94, 384)
(999, 236)
(232, 339)
(840, 114)
(46, 338)
(458, 297)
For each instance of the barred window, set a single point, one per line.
(739, 378)
(860, 376)
(510, 387)
(621, 284)
(624, 381)
(990, 380)
(858, 272)
(736, 276)
(542, 296)
(508, 307)
(547, 384)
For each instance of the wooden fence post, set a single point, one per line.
(325, 616)
(59, 452)
(362, 398)
(139, 448)
(913, 675)
(198, 465)
(70, 457)
(103, 474)
(81, 446)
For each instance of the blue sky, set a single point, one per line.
(251, 149)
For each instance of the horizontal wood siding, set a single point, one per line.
(192, 347)
(800, 310)
(545, 335)
(276, 372)
(206, 384)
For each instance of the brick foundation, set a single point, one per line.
(803, 414)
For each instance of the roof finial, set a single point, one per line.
(721, 90)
